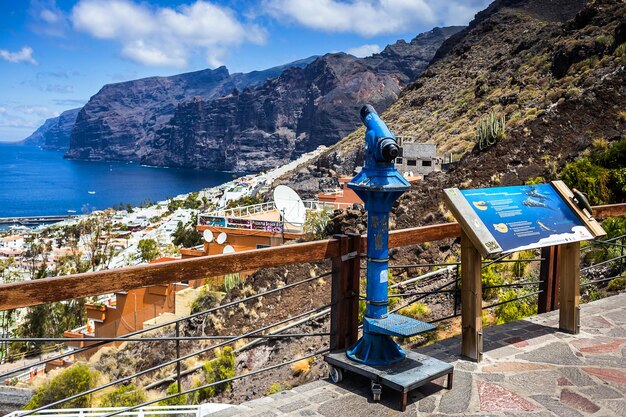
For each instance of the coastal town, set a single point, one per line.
(108, 239)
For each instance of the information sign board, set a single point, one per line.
(509, 219)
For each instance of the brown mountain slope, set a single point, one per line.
(561, 86)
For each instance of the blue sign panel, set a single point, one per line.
(509, 219)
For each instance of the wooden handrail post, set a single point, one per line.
(569, 289)
(548, 299)
(345, 294)
(471, 300)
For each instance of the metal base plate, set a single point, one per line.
(413, 372)
(398, 325)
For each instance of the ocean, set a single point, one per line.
(37, 182)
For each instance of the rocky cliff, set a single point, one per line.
(121, 118)
(246, 122)
(556, 70)
(273, 123)
(55, 133)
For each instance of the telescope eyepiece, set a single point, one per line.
(367, 110)
(389, 149)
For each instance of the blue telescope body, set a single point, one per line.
(379, 185)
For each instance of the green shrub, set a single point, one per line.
(71, 381)
(218, 369)
(418, 311)
(243, 201)
(618, 284)
(489, 130)
(588, 178)
(125, 396)
(491, 276)
(148, 250)
(315, 223)
(277, 387)
(178, 400)
(536, 180)
(186, 235)
(514, 310)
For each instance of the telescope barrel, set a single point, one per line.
(373, 122)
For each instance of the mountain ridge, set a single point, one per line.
(269, 125)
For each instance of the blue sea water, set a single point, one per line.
(40, 182)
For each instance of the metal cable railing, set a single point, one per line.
(173, 361)
(169, 323)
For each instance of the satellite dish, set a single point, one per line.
(221, 238)
(289, 204)
(228, 249)
(208, 236)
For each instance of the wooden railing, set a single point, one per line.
(46, 290)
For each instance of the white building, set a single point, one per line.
(418, 159)
(12, 242)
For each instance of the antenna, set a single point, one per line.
(289, 203)
(228, 249)
(221, 238)
(208, 236)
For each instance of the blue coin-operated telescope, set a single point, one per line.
(379, 185)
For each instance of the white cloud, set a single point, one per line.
(364, 17)
(24, 55)
(453, 13)
(39, 110)
(9, 120)
(164, 36)
(374, 17)
(364, 50)
(46, 18)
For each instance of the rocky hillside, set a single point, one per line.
(555, 70)
(235, 124)
(121, 118)
(55, 133)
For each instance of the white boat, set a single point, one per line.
(91, 192)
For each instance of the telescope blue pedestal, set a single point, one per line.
(379, 185)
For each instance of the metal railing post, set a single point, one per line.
(178, 355)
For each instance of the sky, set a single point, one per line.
(55, 55)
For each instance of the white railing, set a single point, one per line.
(238, 218)
(244, 210)
(181, 410)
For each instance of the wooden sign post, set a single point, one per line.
(471, 300)
(502, 220)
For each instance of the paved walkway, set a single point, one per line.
(529, 369)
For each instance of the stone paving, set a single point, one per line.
(529, 369)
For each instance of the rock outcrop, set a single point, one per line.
(118, 122)
(240, 123)
(55, 133)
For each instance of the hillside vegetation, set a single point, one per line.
(555, 71)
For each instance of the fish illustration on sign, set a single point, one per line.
(501, 227)
(532, 192)
(480, 205)
(544, 227)
(529, 202)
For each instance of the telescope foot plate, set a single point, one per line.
(405, 376)
(398, 325)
